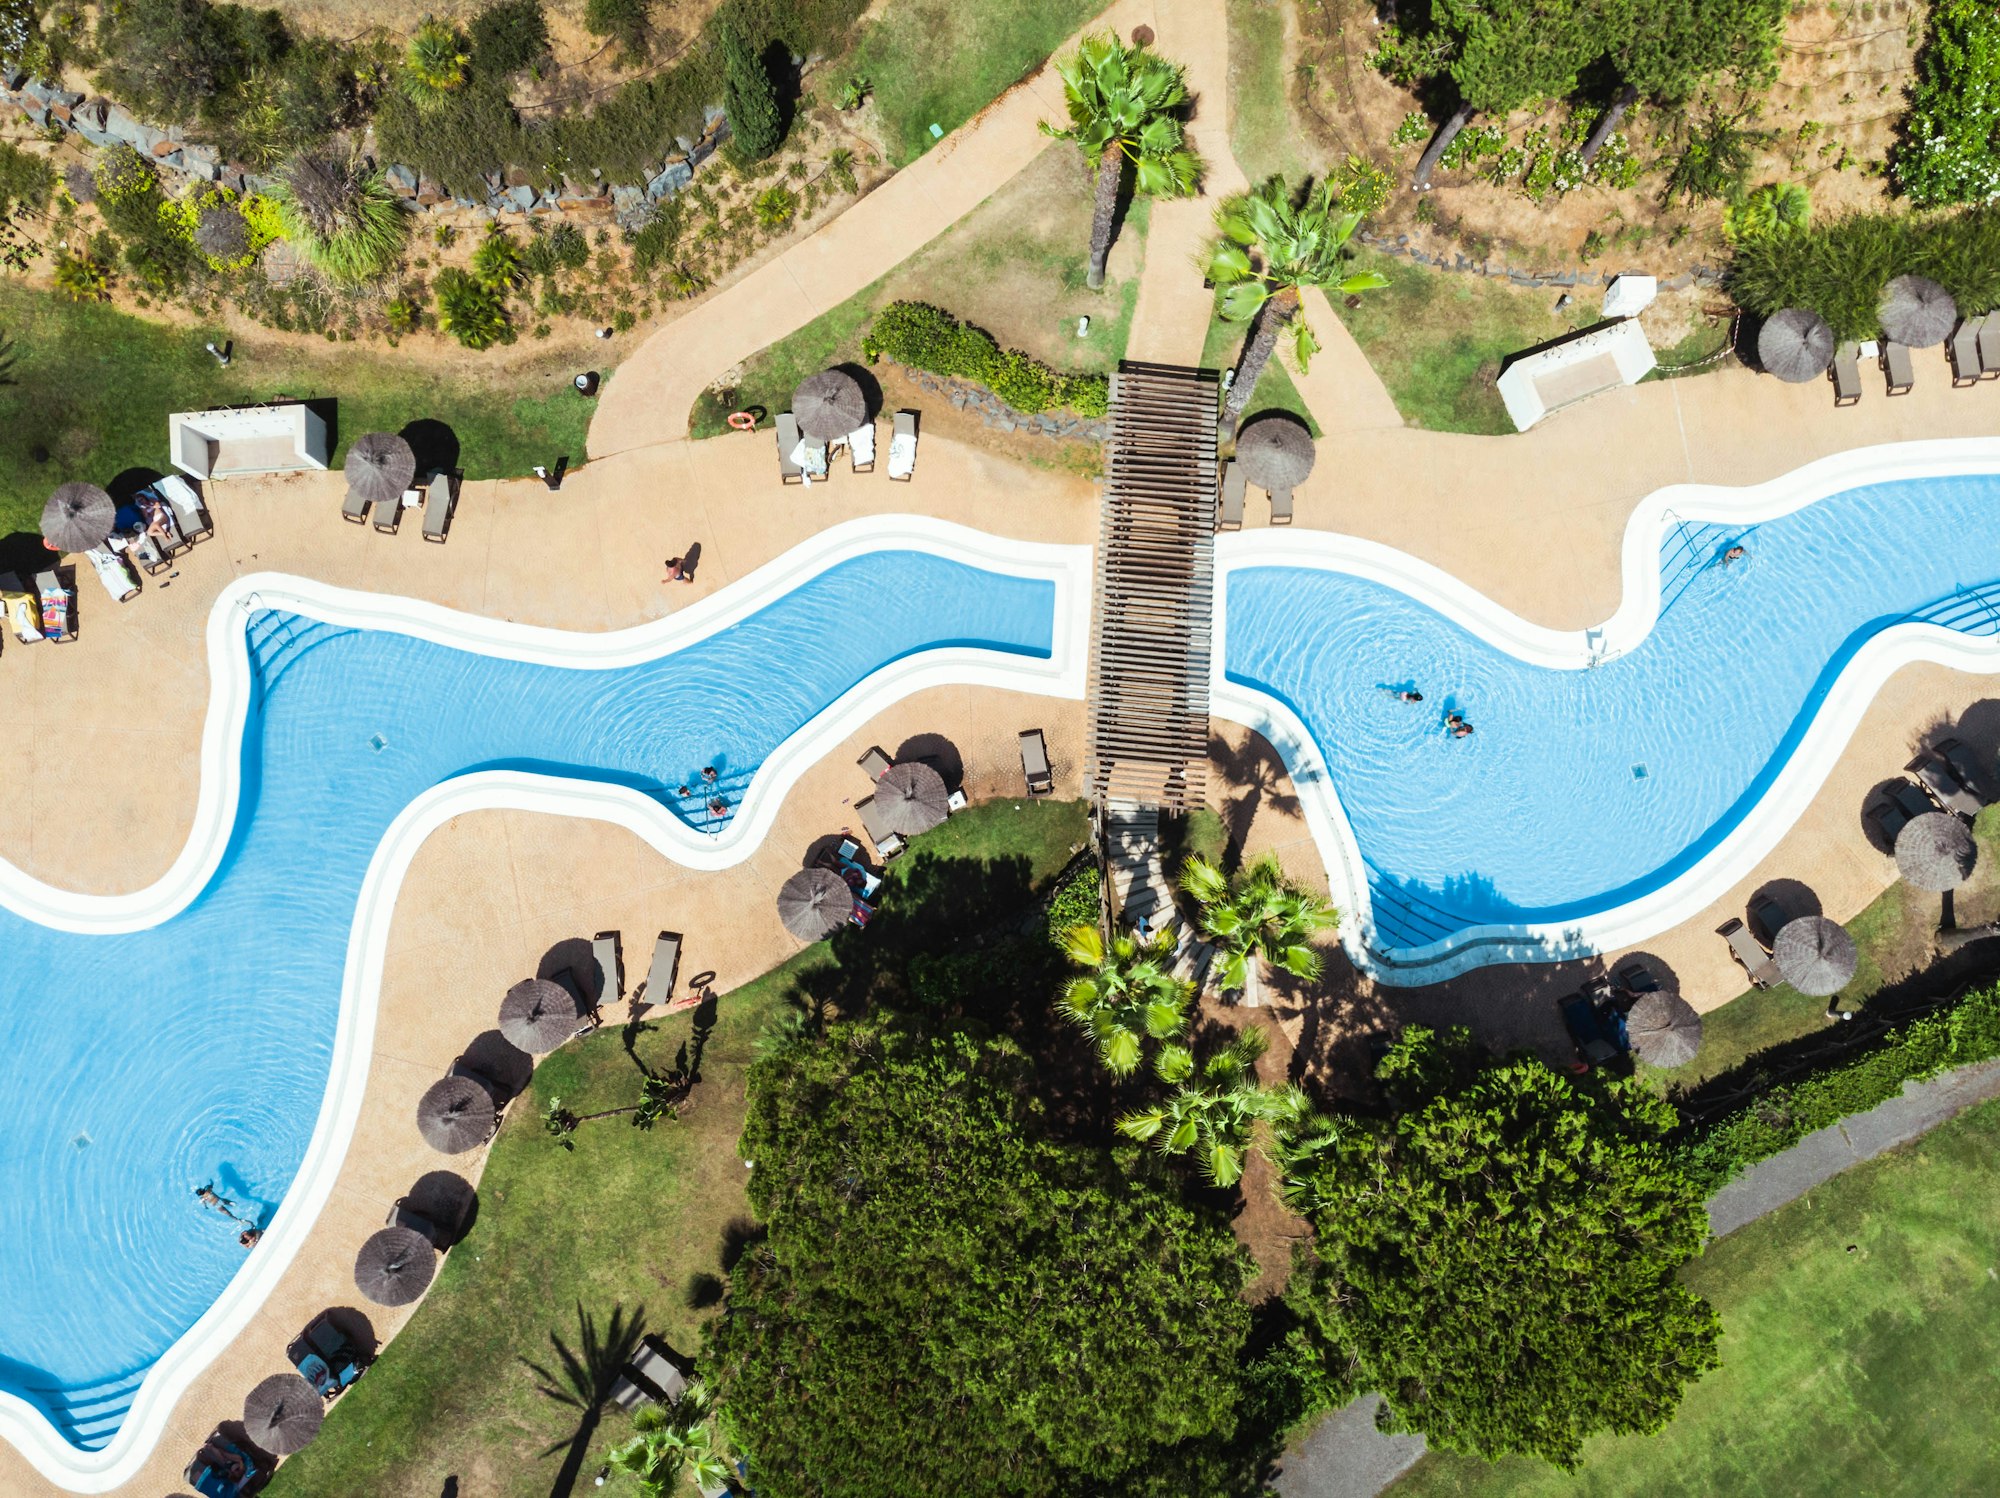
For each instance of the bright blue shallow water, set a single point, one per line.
(135, 1068)
(1539, 816)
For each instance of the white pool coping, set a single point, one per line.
(1749, 842)
(1061, 675)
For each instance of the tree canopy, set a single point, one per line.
(1497, 1256)
(949, 1300)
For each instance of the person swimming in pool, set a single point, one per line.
(1734, 554)
(1456, 726)
(1404, 694)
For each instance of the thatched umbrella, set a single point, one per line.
(395, 1266)
(380, 466)
(78, 517)
(283, 1413)
(1664, 1029)
(1918, 311)
(911, 798)
(538, 1015)
(815, 903)
(1815, 955)
(455, 1115)
(1935, 852)
(1795, 345)
(1275, 452)
(829, 404)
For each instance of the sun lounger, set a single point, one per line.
(1845, 372)
(1229, 516)
(903, 447)
(1035, 763)
(1903, 803)
(23, 610)
(1936, 777)
(812, 459)
(1281, 506)
(648, 1377)
(400, 1216)
(788, 439)
(57, 621)
(604, 947)
(355, 508)
(666, 963)
(1989, 346)
(189, 515)
(1960, 758)
(1767, 919)
(440, 498)
(113, 571)
(388, 514)
(876, 763)
(888, 843)
(1896, 366)
(1962, 348)
(1756, 962)
(861, 447)
(144, 550)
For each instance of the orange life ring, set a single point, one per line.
(743, 421)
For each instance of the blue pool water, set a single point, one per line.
(1582, 790)
(135, 1068)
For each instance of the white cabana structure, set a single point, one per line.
(1575, 368)
(224, 444)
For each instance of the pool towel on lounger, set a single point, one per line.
(112, 571)
(23, 617)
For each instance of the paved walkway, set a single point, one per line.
(1345, 1456)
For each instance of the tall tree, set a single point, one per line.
(749, 97)
(1663, 49)
(1260, 916)
(1506, 52)
(942, 1277)
(1127, 997)
(672, 1441)
(1498, 1255)
(1272, 245)
(1122, 107)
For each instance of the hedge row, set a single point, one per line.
(924, 337)
(1967, 1032)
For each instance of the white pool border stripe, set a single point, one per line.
(1746, 845)
(1062, 675)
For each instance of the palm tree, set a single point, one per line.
(1128, 994)
(1218, 1117)
(1260, 915)
(1272, 245)
(1121, 102)
(672, 1440)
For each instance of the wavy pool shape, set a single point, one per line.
(216, 1026)
(1618, 778)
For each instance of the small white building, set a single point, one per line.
(1575, 368)
(240, 440)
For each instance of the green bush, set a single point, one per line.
(749, 98)
(342, 214)
(82, 278)
(471, 311)
(434, 63)
(925, 337)
(629, 23)
(1969, 1031)
(507, 36)
(496, 264)
(1838, 269)
(1951, 136)
(1074, 902)
(169, 57)
(26, 180)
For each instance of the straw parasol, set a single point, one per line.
(283, 1413)
(911, 798)
(538, 1015)
(380, 466)
(815, 903)
(1663, 1029)
(1795, 345)
(1935, 852)
(78, 517)
(1815, 955)
(829, 404)
(455, 1115)
(1275, 452)
(1918, 311)
(395, 1266)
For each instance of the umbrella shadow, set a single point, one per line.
(578, 958)
(448, 1202)
(499, 1061)
(937, 751)
(1795, 899)
(580, 1378)
(126, 486)
(434, 444)
(871, 388)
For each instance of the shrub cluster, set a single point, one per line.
(927, 338)
(1951, 136)
(1969, 1031)
(1075, 902)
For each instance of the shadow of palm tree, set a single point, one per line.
(1256, 778)
(582, 1380)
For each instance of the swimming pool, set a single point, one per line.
(1617, 778)
(216, 1026)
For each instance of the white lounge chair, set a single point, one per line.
(903, 447)
(1756, 961)
(113, 571)
(1035, 763)
(1845, 372)
(1230, 516)
(861, 447)
(1281, 506)
(354, 508)
(666, 963)
(604, 947)
(194, 522)
(789, 472)
(1896, 367)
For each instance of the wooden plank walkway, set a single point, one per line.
(1155, 588)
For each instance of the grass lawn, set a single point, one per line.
(937, 63)
(1263, 135)
(1014, 266)
(1437, 340)
(92, 388)
(634, 1228)
(1858, 1332)
(1275, 391)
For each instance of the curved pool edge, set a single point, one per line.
(1062, 674)
(1747, 844)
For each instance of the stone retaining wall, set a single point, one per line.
(964, 395)
(1561, 280)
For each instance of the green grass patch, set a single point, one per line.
(770, 376)
(1686, 355)
(1858, 1333)
(934, 62)
(93, 388)
(1223, 346)
(1263, 135)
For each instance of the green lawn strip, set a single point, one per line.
(93, 388)
(1262, 133)
(937, 63)
(1687, 356)
(772, 374)
(631, 1219)
(1863, 1371)
(1223, 346)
